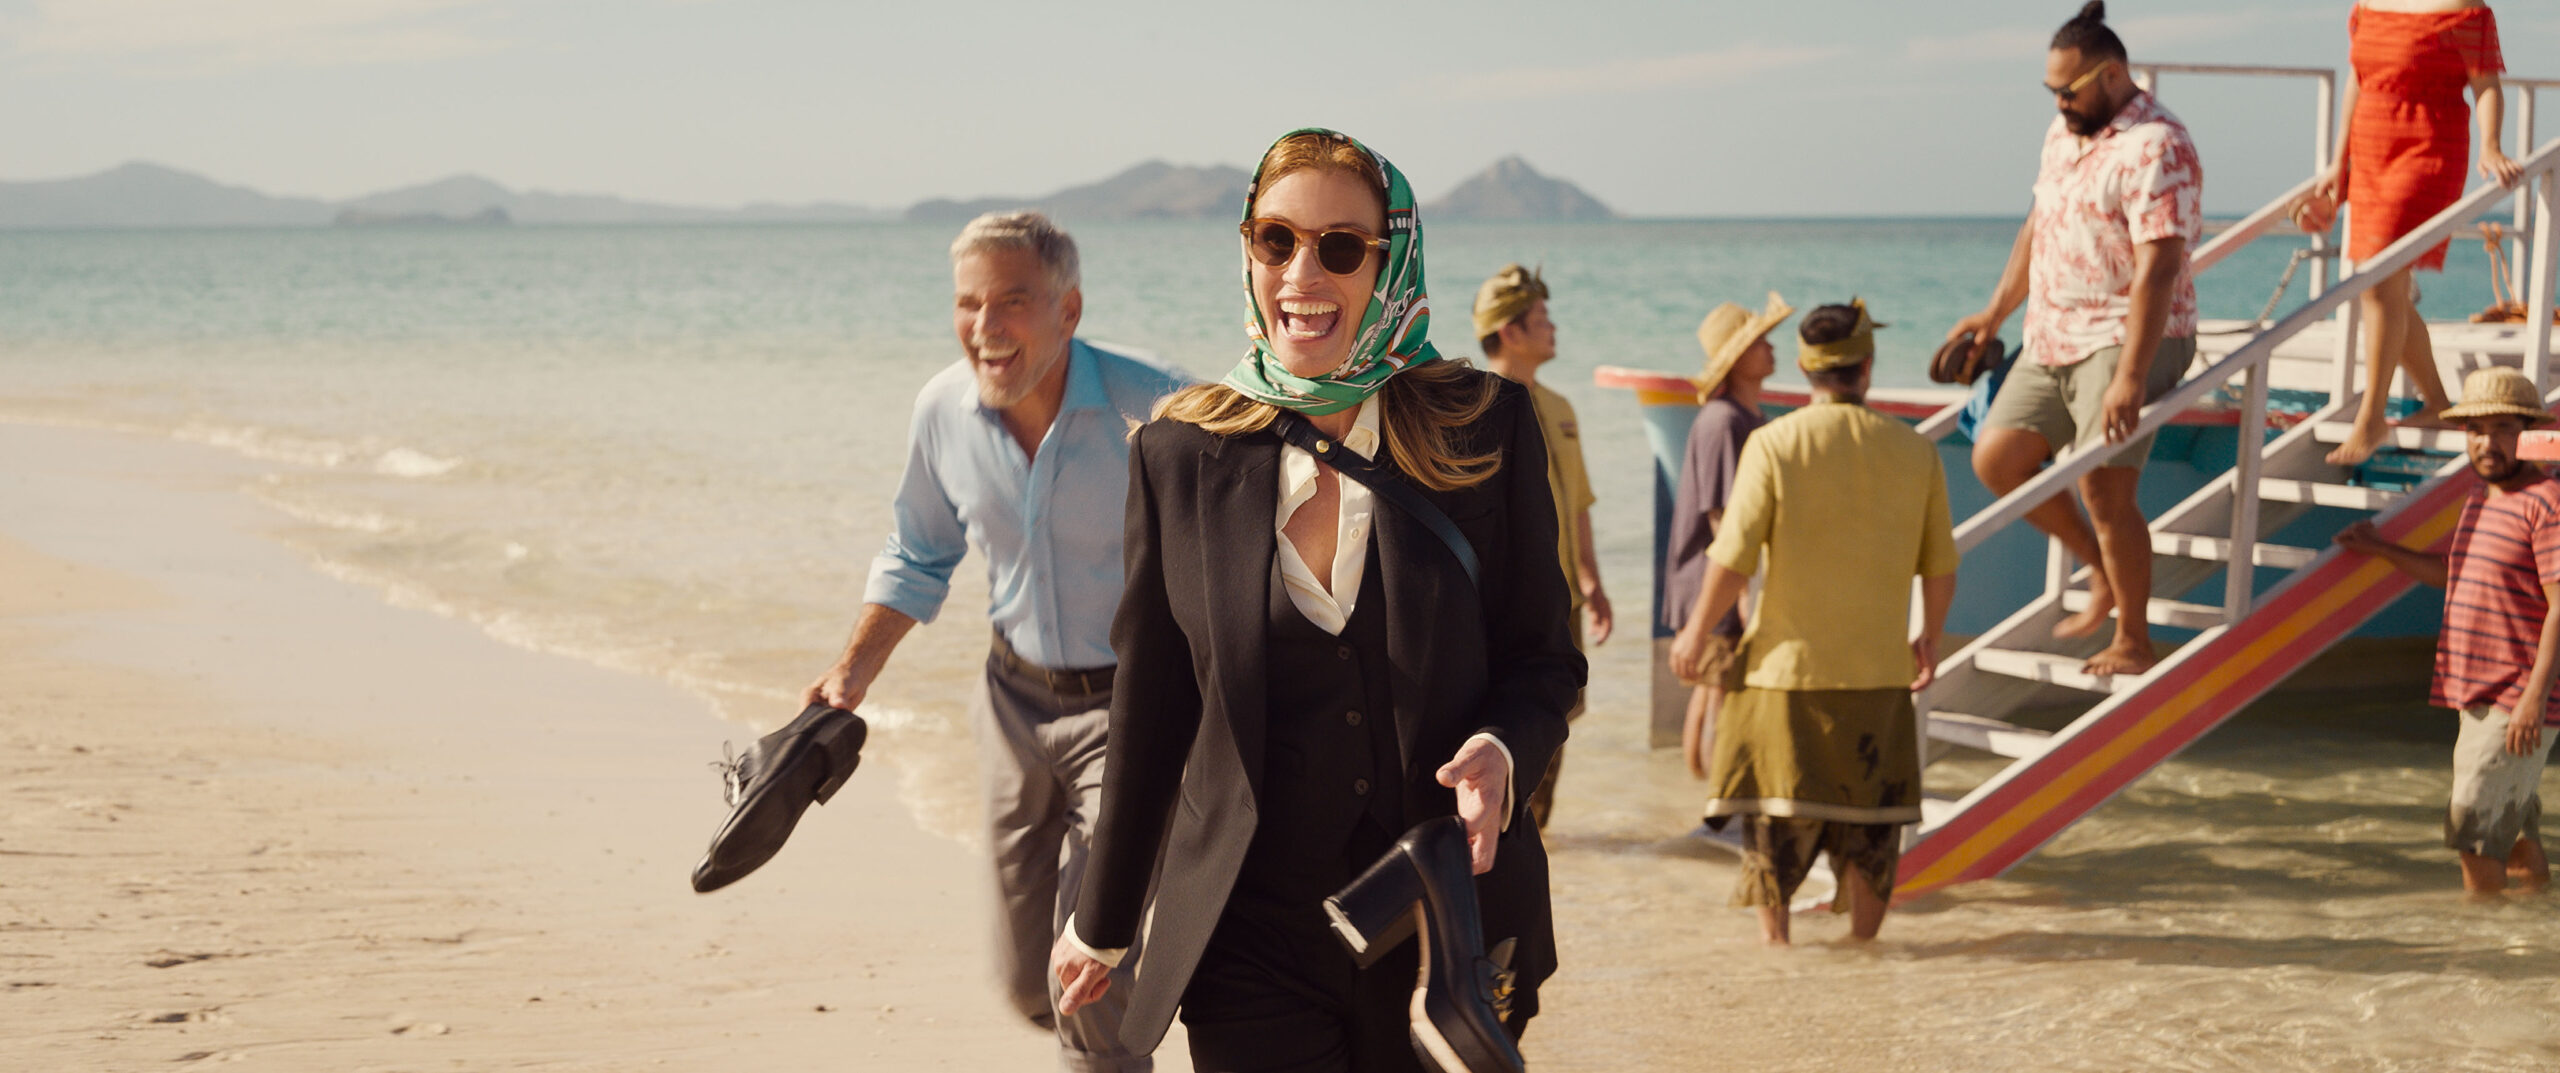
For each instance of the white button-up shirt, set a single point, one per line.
(1329, 608)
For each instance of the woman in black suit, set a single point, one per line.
(1305, 668)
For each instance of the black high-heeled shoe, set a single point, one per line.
(1426, 887)
(778, 778)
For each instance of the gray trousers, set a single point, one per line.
(1040, 757)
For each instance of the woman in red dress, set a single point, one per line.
(2399, 163)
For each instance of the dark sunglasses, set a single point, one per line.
(1341, 250)
(2071, 92)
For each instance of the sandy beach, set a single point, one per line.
(256, 815)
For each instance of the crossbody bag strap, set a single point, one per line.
(1385, 482)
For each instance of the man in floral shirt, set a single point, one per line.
(2111, 320)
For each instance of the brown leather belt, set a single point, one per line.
(1068, 683)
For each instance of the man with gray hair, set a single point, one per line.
(1021, 449)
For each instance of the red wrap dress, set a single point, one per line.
(2409, 143)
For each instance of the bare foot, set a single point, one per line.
(1773, 926)
(2361, 443)
(2121, 657)
(2102, 603)
(2527, 868)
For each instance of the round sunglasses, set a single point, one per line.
(1341, 250)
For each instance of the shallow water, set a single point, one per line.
(668, 449)
(2277, 898)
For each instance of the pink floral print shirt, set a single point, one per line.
(2138, 181)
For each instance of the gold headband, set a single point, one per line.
(1859, 346)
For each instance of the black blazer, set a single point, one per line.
(1188, 702)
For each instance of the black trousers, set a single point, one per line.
(1277, 992)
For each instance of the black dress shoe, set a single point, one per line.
(780, 776)
(1426, 886)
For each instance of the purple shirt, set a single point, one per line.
(1706, 482)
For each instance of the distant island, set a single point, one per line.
(492, 216)
(1154, 190)
(1512, 190)
(151, 195)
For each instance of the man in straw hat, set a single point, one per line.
(2501, 639)
(1512, 326)
(1820, 751)
(1739, 358)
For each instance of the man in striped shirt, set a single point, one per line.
(2501, 639)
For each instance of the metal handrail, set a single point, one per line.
(2324, 108)
(2237, 69)
(2523, 107)
(2076, 463)
(2255, 225)
(2251, 228)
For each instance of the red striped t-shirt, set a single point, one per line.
(2505, 550)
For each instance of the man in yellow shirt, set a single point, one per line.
(1819, 751)
(1512, 326)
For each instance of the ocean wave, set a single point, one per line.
(268, 445)
(409, 462)
(371, 523)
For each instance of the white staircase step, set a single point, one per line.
(1989, 735)
(2323, 494)
(2447, 440)
(2048, 667)
(2218, 549)
(2178, 613)
(1933, 809)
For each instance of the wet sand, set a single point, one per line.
(256, 815)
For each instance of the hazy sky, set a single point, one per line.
(1717, 107)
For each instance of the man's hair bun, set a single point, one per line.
(2087, 32)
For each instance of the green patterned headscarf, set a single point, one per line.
(1394, 331)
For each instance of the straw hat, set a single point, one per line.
(1729, 330)
(2498, 390)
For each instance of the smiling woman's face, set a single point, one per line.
(1311, 315)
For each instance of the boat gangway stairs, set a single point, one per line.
(2278, 606)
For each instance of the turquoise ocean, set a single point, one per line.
(669, 449)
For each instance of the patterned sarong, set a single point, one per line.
(1844, 755)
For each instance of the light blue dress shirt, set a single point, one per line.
(1049, 525)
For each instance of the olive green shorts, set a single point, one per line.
(2062, 402)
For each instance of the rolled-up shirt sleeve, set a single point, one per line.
(912, 574)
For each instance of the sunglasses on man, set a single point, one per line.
(1341, 250)
(2070, 93)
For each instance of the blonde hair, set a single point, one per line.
(1427, 407)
